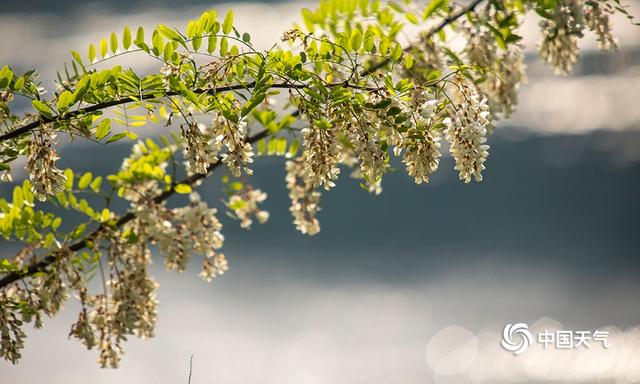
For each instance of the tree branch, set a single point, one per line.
(112, 103)
(453, 17)
(47, 260)
(80, 244)
(96, 107)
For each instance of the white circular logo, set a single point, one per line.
(519, 332)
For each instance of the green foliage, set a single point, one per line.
(343, 91)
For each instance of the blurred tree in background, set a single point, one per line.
(342, 92)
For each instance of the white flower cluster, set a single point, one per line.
(502, 89)
(204, 143)
(201, 148)
(140, 189)
(304, 198)
(11, 334)
(321, 157)
(481, 48)
(133, 297)
(5, 176)
(421, 142)
(466, 132)
(239, 152)
(427, 59)
(46, 178)
(559, 46)
(245, 206)
(365, 153)
(179, 232)
(597, 19)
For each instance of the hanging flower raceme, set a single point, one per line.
(481, 48)
(304, 198)
(597, 19)
(202, 146)
(11, 334)
(559, 46)
(420, 143)
(502, 87)
(466, 132)
(46, 178)
(321, 155)
(365, 150)
(239, 152)
(244, 205)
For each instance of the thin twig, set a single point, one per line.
(453, 17)
(124, 219)
(47, 260)
(21, 130)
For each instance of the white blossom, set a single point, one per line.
(46, 178)
(466, 133)
(559, 46)
(321, 156)
(502, 87)
(304, 198)
(597, 19)
(202, 146)
(245, 206)
(481, 48)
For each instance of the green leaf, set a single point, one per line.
(246, 37)
(19, 83)
(158, 44)
(397, 52)
(183, 189)
(81, 88)
(116, 137)
(105, 215)
(261, 147)
(103, 48)
(413, 19)
(293, 148)
(64, 101)
(211, 46)
(6, 75)
(224, 46)
(196, 43)
(76, 57)
(56, 223)
(114, 42)
(126, 38)
(68, 174)
(308, 17)
(130, 135)
(103, 129)
(96, 183)
(92, 53)
(227, 24)
(169, 51)
(397, 7)
(43, 108)
(18, 197)
(432, 7)
(356, 39)
(139, 36)
(170, 34)
(408, 61)
(85, 180)
(255, 101)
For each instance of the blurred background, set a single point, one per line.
(411, 286)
